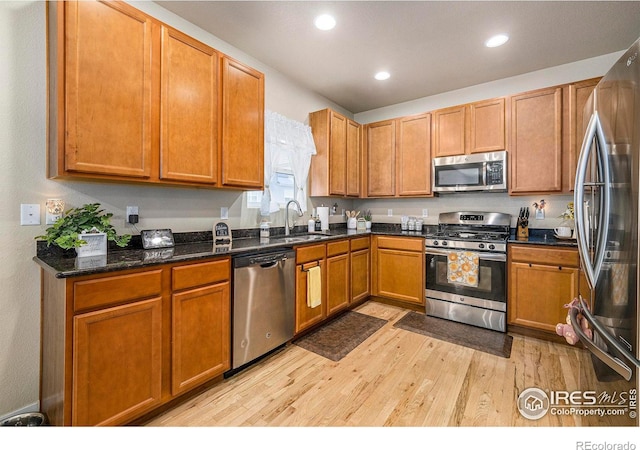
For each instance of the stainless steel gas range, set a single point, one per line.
(466, 269)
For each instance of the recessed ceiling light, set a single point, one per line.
(325, 22)
(497, 40)
(382, 76)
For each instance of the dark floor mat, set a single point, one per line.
(337, 338)
(488, 341)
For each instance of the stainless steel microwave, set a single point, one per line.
(476, 172)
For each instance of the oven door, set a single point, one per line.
(491, 291)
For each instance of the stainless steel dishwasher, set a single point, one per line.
(263, 304)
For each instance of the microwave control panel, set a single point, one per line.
(495, 173)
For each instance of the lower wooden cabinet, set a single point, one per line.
(360, 262)
(345, 271)
(117, 346)
(117, 363)
(542, 279)
(338, 274)
(398, 268)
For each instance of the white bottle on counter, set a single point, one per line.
(264, 229)
(311, 225)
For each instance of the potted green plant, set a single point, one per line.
(367, 218)
(72, 230)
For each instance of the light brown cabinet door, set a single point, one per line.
(536, 142)
(109, 89)
(117, 363)
(487, 126)
(189, 114)
(360, 275)
(413, 153)
(538, 293)
(200, 336)
(305, 315)
(338, 292)
(354, 158)
(449, 131)
(242, 125)
(381, 159)
(338, 155)
(579, 94)
(399, 275)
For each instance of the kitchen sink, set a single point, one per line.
(304, 238)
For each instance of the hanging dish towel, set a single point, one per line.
(462, 268)
(314, 289)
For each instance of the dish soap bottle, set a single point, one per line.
(311, 225)
(264, 228)
(318, 224)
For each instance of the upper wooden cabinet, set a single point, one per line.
(134, 100)
(189, 123)
(336, 168)
(399, 157)
(546, 131)
(413, 155)
(381, 159)
(242, 125)
(536, 141)
(470, 128)
(576, 122)
(105, 89)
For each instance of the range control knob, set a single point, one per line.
(444, 243)
(480, 245)
(492, 247)
(435, 242)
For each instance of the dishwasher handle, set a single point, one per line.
(265, 260)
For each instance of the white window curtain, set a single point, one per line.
(290, 143)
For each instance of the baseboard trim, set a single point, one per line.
(33, 407)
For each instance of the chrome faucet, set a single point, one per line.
(287, 231)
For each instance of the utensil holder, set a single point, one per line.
(523, 232)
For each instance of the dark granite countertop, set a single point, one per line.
(542, 237)
(199, 245)
(188, 247)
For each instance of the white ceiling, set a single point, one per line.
(429, 47)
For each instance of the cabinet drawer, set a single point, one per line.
(359, 243)
(552, 256)
(107, 291)
(337, 248)
(310, 253)
(411, 244)
(193, 275)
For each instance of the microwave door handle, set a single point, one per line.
(620, 367)
(579, 205)
(484, 173)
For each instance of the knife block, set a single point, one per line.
(522, 232)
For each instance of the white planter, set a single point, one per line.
(96, 244)
(368, 224)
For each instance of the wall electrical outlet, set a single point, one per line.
(224, 213)
(389, 212)
(425, 212)
(539, 214)
(132, 211)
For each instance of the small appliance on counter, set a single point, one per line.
(221, 237)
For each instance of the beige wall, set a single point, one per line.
(22, 180)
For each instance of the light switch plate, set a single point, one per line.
(29, 214)
(224, 213)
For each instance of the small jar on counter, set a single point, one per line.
(264, 229)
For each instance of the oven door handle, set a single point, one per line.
(485, 256)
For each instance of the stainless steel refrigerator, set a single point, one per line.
(606, 206)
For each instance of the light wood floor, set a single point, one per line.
(394, 378)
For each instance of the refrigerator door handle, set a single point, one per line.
(580, 218)
(620, 367)
(604, 333)
(592, 268)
